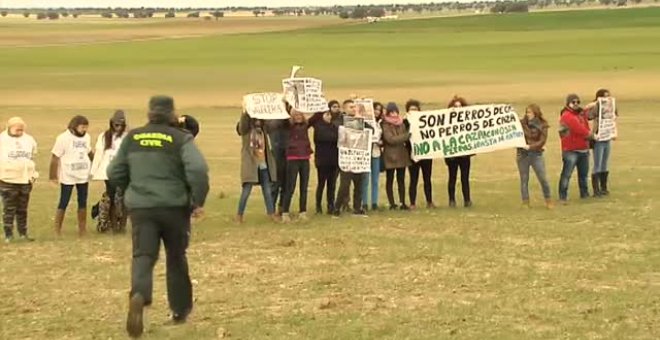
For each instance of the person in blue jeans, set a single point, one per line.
(373, 176)
(601, 148)
(535, 128)
(575, 135)
(257, 164)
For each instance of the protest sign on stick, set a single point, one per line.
(464, 131)
(267, 105)
(354, 150)
(305, 94)
(606, 119)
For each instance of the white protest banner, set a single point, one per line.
(267, 105)
(305, 94)
(606, 119)
(464, 131)
(354, 150)
(364, 108)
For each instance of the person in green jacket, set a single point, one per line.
(165, 180)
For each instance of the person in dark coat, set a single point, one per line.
(165, 178)
(326, 132)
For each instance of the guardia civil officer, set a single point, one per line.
(165, 179)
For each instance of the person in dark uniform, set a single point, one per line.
(165, 178)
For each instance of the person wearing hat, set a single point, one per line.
(70, 165)
(575, 135)
(109, 210)
(165, 178)
(395, 155)
(17, 173)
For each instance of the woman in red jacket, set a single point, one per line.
(575, 135)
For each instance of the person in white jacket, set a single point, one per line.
(17, 173)
(109, 210)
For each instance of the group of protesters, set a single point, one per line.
(276, 155)
(74, 163)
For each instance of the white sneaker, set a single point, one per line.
(303, 216)
(286, 218)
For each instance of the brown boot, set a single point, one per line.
(59, 219)
(549, 204)
(82, 222)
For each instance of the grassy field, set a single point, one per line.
(589, 270)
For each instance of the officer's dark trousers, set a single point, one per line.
(172, 225)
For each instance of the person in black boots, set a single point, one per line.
(425, 165)
(165, 178)
(395, 155)
(455, 163)
(601, 148)
(326, 125)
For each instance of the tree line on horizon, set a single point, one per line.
(344, 12)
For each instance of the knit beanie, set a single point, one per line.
(119, 117)
(391, 107)
(572, 97)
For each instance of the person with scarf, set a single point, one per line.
(376, 153)
(535, 128)
(110, 210)
(395, 155)
(17, 174)
(601, 147)
(455, 163)
(258, 165)
(326, 132)
(425, 165)
(70, 167)
(298, 153)
(575, 136)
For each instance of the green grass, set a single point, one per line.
(588, 270)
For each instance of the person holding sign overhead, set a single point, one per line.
(395, 155)
(455, 163)
(326, 132)
(298, 153)
(70, 167)
(258, 165)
